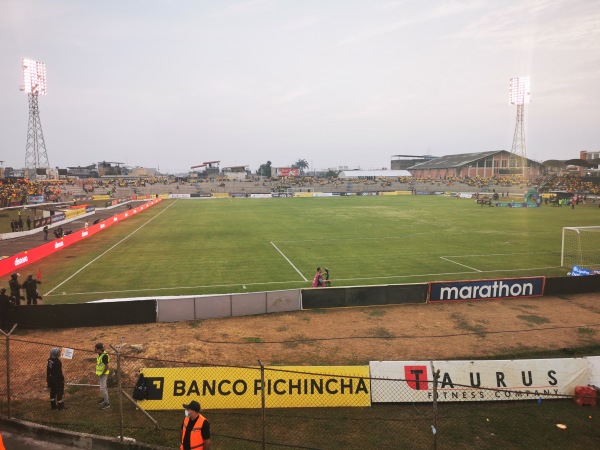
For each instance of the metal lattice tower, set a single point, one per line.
(518, 144)
(36, 156)
(520, 88)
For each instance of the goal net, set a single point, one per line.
(581, 247)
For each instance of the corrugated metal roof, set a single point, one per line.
(374, 173)
(450, 161)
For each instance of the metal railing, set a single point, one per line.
(278, 407)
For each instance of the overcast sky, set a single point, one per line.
(171, 84)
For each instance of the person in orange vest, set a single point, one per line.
(1, 443)
(195, 430)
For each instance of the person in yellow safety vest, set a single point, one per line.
(195, 430)
(102, 372)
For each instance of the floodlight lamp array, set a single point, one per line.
(34, 77)
(520, 90)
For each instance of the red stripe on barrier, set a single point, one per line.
(13, 263)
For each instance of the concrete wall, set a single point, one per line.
(228, 305)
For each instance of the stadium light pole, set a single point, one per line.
(34, 83)
(520, 95)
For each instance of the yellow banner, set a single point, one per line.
(235, 388)
(303, 194)
(396, 193)
(220, 195)
(70, 213)
(101, 197)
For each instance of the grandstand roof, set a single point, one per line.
(448, 161)
(374, 173)
(567, 162)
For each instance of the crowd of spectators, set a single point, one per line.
(17, 191)
(446, 181)
(569, 183)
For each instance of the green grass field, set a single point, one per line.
(185, 247)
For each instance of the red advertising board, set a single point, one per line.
(287, 172)
(13, 263)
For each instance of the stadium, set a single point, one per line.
(240, 257)
(372, 254)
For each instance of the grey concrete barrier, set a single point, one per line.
(249, 304)
(283, 301)
(175, 309)
(44, 435)
(212, 306)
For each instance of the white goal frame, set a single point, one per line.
(574, 253)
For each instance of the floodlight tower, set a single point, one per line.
(520, 94)
(34, 83)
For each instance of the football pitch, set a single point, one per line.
(194, 247)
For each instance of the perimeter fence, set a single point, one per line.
(263, 407)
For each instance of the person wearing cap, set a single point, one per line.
(102, 372)
(55, 380)
(15, 288)
(195, 430)
(5, 306)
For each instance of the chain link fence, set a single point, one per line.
(264, 407)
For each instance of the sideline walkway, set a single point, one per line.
(9, 247)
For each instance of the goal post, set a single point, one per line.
(580, 247)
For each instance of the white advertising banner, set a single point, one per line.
(594, 362)
(260, 196)
(412, 381)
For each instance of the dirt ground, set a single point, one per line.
(353, 336)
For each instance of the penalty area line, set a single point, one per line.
(464, 265)
(101, 255)
(287, 259)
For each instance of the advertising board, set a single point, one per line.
(486, 289)
(287, 172)
(236, 388)
(36, 199)
(496, 380)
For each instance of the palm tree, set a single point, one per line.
(301, 164)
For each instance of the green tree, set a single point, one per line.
(300, 164)
(331, 174)
(264, 170)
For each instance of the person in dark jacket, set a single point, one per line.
(30, 287)
(55, 380)
(15, 289)
(5, 307)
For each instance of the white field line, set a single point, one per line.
(495, 254)
(464, 265)
(207, 286)
(395, 237)
(287, 259)
(100, 256)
